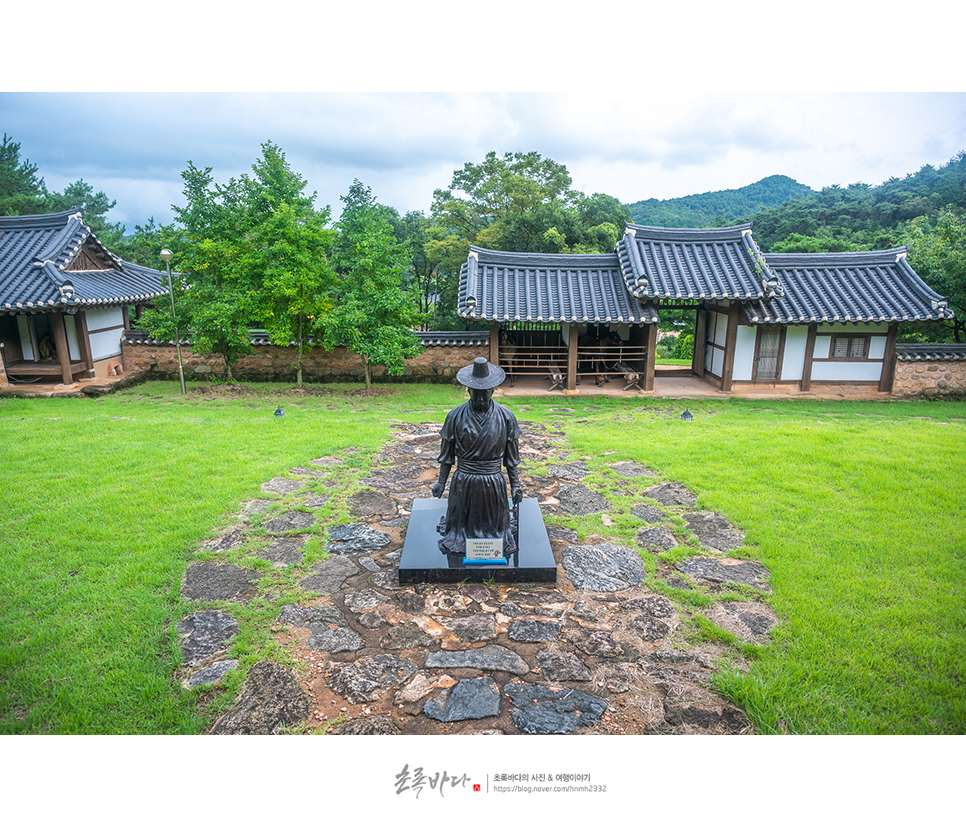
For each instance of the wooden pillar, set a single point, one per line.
(889, 360)
(572, 357)
(84, 341)
(126, 312)
(806, 382)
(649, 358)
(494, 343)
(731, 341)
(63, 349)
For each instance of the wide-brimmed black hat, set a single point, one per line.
(481, 375)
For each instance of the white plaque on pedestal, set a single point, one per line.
(484, 550)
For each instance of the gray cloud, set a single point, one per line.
(633, 143)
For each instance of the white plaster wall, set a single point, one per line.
(793, 362)
(846, 371)
(877, 346)
(71, 327)
(110, 317)
(107, 344)
(720, 328)
(744, 353)
(717, 362)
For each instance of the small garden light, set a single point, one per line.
(279, 412)
(687, 416)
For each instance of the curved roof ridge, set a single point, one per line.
(495, 256)
(868, 257)
(38, 221)
(692, 234)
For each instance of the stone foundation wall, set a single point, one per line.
(929, 378)
(273, 363)
(3, 373)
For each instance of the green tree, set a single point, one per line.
(215, 296)
(94, 207)
(522, 202)
(287, 253)
(372, 313)
(21, 190)
(937, 251)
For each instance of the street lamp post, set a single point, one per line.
(166, 256)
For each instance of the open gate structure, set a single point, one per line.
(783, 321)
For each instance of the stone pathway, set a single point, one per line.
(599, 653)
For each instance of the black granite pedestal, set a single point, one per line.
(423, 561)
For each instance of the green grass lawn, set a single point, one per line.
(856, 509)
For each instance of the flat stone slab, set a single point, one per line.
(576, 499)
(471, 629)
(632, 469)
(282, 486)
(369, 502)
(562, 666)
(539, 710)
(751, 621)
(595, 642)
(648, 514)
(270, 699)
(533, 631)
(330, 575)
(253, 507)
(325, 462)
(656, 539)
(672, 494)
(408, 636)
(569, 471)
(206, 634)
(468, 699)
(289, 522)
(311, 616)
(726, 570)
(281, 554)
(335, 640)
(356, 538)
(603, 567)
(490, 658)
(714, 531)
(369, 677)
(215, 580)
(364, 600)
(211, 674)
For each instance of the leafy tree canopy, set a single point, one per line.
(372, 312)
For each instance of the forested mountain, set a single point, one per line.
(717, 208)
(861, 216)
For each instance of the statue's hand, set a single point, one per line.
(438, 489)
(517, 495)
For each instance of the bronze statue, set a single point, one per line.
(480, 437)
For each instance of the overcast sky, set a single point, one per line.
(134, 146)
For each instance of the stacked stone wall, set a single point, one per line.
(270, 363)
(930, 378)
(3, 373)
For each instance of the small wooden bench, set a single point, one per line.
(631, 376)
(557, 377)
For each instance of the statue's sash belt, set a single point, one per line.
(480, 467)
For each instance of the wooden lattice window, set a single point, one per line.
(850, 347)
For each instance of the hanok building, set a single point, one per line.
(64, 299)
(761, 320)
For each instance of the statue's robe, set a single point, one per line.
(480, 445)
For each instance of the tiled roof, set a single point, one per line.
(523, 286)
(35, 251)
(673, 264)
(930, 353)
(848, 287)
